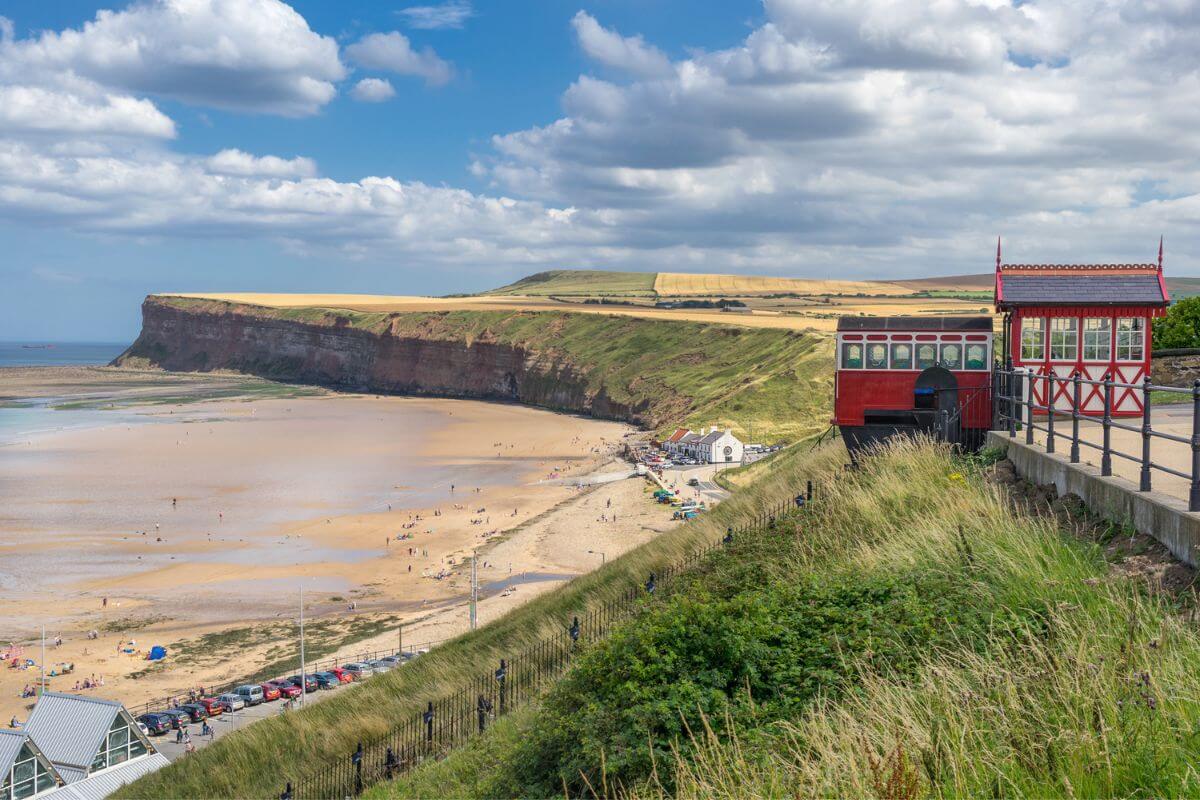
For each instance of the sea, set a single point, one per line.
(58, 354)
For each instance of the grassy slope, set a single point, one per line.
(1040, 676)
(766, 384)
(258, 760)
(581, 281)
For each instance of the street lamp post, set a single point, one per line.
(603, 558)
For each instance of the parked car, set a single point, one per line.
(344, 675)
(395, 660)
(379, 665)
(327, 680)
(693, 481)
(212, 705)
(270, 692)
(195, 711)
(359, 670)
(310, 682)
(232, 702)
(252, 695)
(156, 723)
(142, 727)
(178, 717)
(286, 688)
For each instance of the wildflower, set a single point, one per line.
(956, 476)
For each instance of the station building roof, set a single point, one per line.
(1020, 285)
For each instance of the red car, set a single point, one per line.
(270, 692)
(211, 704)
(288, 690)
(342, 675)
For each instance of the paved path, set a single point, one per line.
(1173, 419)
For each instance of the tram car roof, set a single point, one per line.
(915, 324)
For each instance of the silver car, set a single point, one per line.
(359, 670)
(380, 665)
(233, 702)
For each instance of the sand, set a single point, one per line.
(272, 494)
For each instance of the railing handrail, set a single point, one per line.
(1018, 396)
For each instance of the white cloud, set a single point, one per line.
(31, 109)
(237, 162)
(245, 55)
(393, 52)
(373, 90)
(631, 53)
(446, 15)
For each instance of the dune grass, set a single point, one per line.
(257, 761)
(1044, 676)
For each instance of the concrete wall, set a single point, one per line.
(1163, 517)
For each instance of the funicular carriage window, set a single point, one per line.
(1064, 338)
(852, 355)
(976, 355)
(926, 355)
(1033, 339)
(901, 355)
(952, 355)
(877, 355)
(1097, 339)
(1131, 338)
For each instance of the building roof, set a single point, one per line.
(678, 434)
(69, 728)
(1080, 285)
(690, 437)
(712, 437)
(10, 744)
(107, 781)
(915, 324)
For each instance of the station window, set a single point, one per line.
(1064, 338)
(901, 355)
(952, 355)
(926, 355)
(1033, 339)
(1097, 339)
(852, 355)
(1131, 338)
(27, 776)
(877, 356)
(977, 356)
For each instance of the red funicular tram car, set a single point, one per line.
(898, 375)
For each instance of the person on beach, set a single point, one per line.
(174, 502)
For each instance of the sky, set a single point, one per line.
(425, 147)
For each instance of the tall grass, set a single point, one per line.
(257, 761)
(1099, 698)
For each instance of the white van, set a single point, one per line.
(253, 695)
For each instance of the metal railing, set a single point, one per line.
(1016, 408)
(452, 719)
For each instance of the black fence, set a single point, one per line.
(452, 719)
(1016, 409)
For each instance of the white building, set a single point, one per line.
(708, 447)
(74, 748)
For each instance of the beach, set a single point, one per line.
(194, 525)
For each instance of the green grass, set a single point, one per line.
(597, 283)
(913, 637)
(767, 385)
(251, 763)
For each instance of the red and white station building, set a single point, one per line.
(1088, 318)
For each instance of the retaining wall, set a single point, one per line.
(1164, 517)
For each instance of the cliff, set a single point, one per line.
(651, 373)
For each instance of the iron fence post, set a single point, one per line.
(1050, 411)
(1106, 452)
(1194, 498)
(427, 717)
(357, 758)
(808, 492)
(1029, 412)
(1013, 389)
(1146, 431)
(1076, 395)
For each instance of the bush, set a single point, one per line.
(1180, 327)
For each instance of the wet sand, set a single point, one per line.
(273, 494)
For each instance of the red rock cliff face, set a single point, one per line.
(219, 337)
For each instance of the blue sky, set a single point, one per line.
(203, 145)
